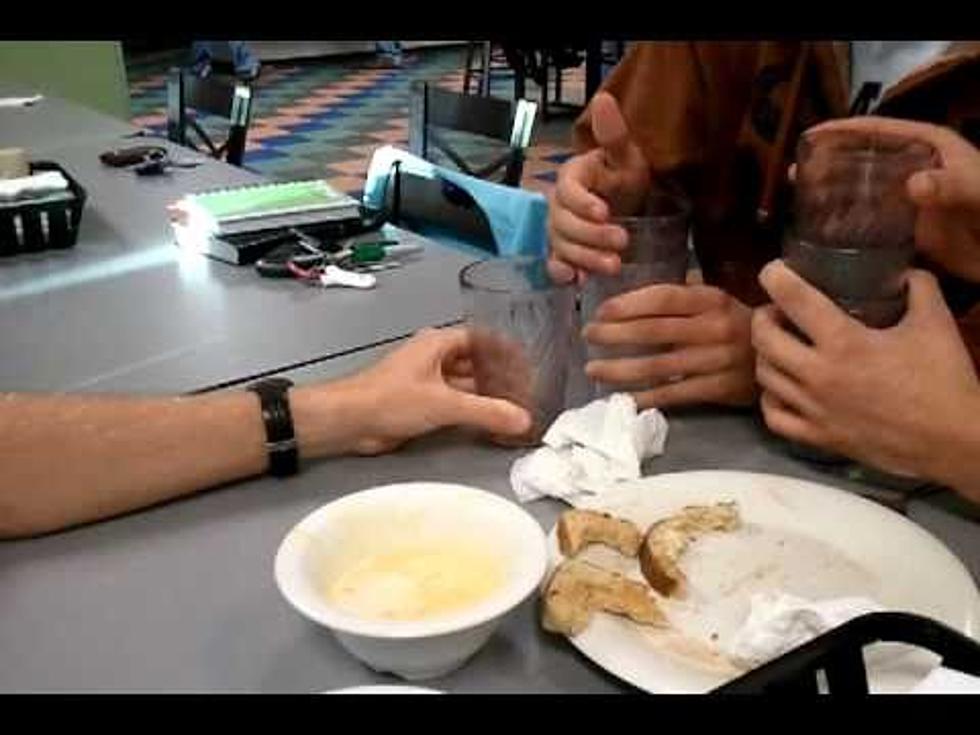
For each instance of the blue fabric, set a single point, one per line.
(518, 218)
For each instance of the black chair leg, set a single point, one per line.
(545, 114)
(468, 71)
(520, 83)
(517, 63)
(485, 80)
(593, 69)
(557, 84)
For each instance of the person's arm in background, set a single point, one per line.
(948, 226)
(625, 137)
(706, 330)
(948, 197)
(904, 399)
(72, 459)
(611, 179)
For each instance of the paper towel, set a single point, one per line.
(778, 622)
(589, 450)
(947, 681)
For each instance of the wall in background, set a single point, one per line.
(91, 73)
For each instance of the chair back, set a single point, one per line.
(225, 97)
(440, 121)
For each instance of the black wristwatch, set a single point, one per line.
(280, 437)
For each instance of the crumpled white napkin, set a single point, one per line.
(778, 622)
(589, 450)
(947, 681)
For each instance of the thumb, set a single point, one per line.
(610, 131)
(494, 415)
(925, 299)
(945, 188)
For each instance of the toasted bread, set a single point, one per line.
(578, 589)
(579, 528)
(667, 540)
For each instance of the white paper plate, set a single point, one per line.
(799, 537)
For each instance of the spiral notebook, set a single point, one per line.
(264, 207)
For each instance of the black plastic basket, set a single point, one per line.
(839, 655)
(30, 227)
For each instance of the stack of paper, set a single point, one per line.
(263, 207)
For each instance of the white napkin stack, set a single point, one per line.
(589, 450)
(33, 185)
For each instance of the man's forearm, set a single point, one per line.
(71, 459)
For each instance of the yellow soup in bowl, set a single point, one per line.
(417, 583)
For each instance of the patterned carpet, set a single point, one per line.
(324, 118)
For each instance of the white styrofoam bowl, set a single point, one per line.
(383, 689)
(338, 533)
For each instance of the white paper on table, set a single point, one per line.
(20, 101)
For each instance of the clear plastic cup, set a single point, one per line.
(853, 235)
(524, 329)
(657, 252)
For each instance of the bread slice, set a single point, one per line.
(579, 528)
(667, 540)
(578, 589)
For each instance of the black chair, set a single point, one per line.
(433, 110)
(555, 61)
(839, 655)
(544, 65)
(436, 206)
(483, 59)
(227, 97)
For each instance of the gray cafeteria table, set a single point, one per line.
(127, 310)
(52, 120)
(181, 597)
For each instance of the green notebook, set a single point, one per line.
(267, 206)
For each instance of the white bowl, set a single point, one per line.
(383, 689)
(331, 538)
